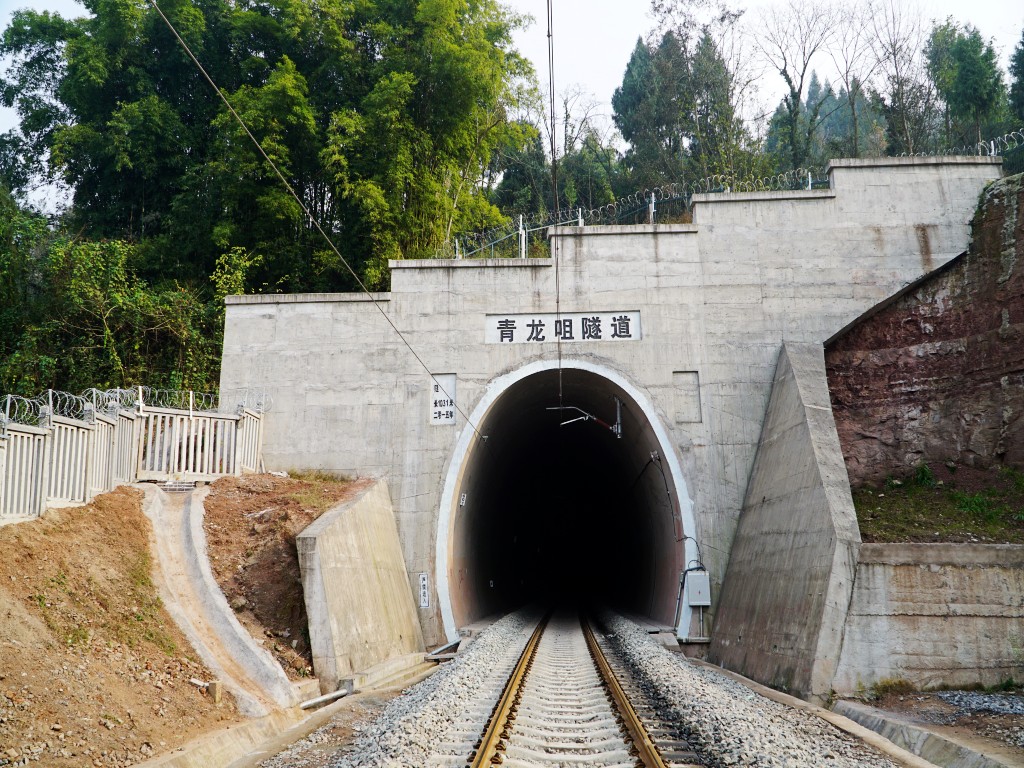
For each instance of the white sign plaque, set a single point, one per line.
(424, 591)
(544, 327)
(442, 399)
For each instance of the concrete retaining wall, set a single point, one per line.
(356, 588)
(788, 585)
(935, 614)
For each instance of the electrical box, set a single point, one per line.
(698, 589)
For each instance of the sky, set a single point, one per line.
(593, 39)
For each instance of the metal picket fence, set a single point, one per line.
(64, 448)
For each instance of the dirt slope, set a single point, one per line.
(93, 671)
(251, 523)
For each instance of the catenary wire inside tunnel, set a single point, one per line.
(553, 513)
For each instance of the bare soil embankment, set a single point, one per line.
(93, 671)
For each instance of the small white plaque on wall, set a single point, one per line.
(442, 399)
(424, 590)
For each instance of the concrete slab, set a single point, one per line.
(943, 749)
(198, 606)
(359, 601)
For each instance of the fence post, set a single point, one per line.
(522, 238)
(3, 474)
(140, 436)
(650, 210)
(45, 459)
(579, 213)
(90, 453)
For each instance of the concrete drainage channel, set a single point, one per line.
(246, 745)
(262, 690)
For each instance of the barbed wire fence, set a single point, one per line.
(33, 411)
(520, 238)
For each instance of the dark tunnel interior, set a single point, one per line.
(565, 513)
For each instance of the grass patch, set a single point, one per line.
(892, 686)
(947, 503)
(317, 476)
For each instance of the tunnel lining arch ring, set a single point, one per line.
(494, 391)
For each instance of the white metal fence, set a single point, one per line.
(64, 448)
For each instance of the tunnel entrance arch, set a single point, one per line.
(539, 510)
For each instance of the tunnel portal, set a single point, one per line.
(546, 511)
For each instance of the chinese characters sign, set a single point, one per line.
(442, 398)
(424, 590)
(569, 326)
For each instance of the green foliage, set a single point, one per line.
(924, 477)
(1017, 81)
(82, 317)
(966, 75)
(833, 135)
(950, 503)
(381, 116)
(676, 109)
(981, 505)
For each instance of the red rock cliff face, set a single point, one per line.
(938, 374)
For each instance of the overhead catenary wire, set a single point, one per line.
(308, 213)
(559, 325)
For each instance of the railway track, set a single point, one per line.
(568, 703)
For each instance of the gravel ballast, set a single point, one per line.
(433, 720)
(730, 725)
(434, 723)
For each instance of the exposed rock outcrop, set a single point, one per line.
(937, 372)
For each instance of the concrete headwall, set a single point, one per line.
(716, 299)
(790, 576)
(356, 588)
(934, 614)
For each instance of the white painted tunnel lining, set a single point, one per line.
(495, 389)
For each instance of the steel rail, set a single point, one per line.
(647, 753)
(488, 753)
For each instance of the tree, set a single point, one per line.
(907, 96)
(1017, 81)
(76, 314)
(855, 62)
(676, 109)
(383, 116)
(650, 110)
(977, 88)
(790, 38)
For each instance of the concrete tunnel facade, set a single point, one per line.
(575, 503)
(716, 299)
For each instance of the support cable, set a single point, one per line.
(554, 193)
(308, 213)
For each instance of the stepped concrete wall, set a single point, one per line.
(934, 614)
(717, 300)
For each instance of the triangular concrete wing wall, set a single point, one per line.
(790, 577)
(356, 588)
